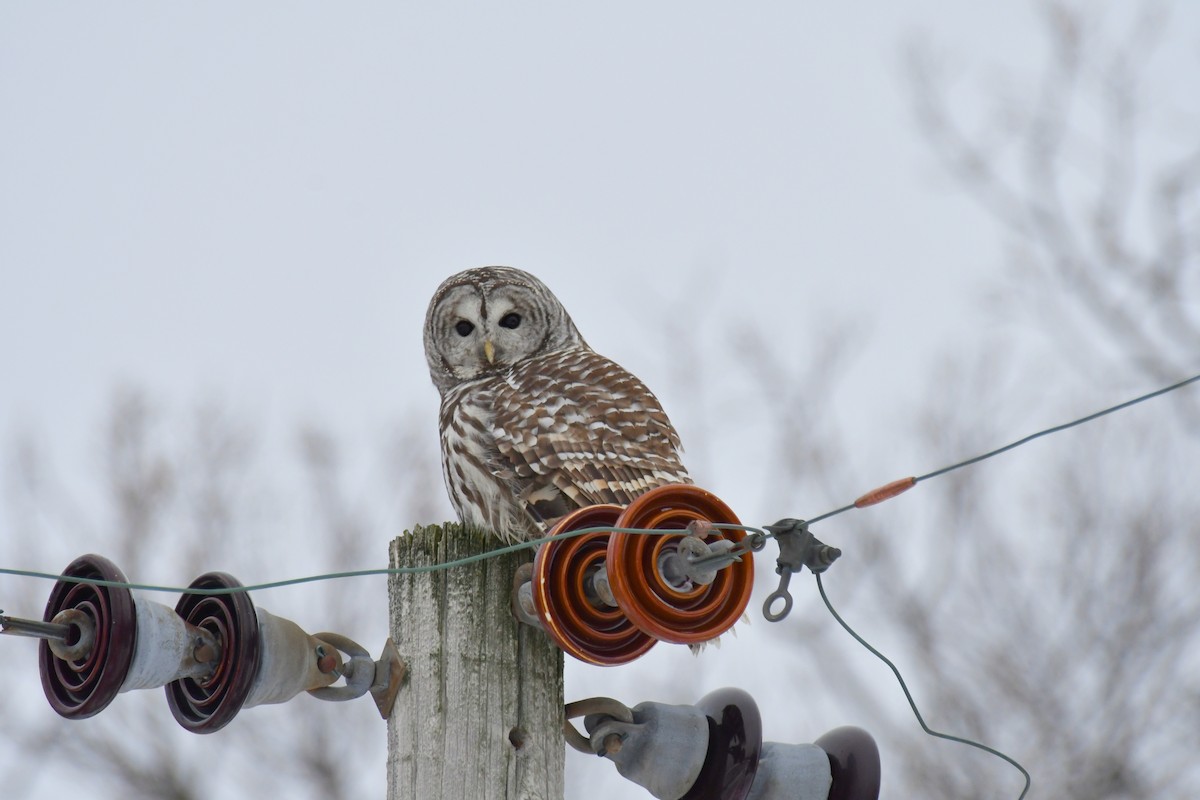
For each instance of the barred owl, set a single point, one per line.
(533, 422)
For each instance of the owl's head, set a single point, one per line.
(483, 321)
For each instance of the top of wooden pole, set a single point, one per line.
(481, 712)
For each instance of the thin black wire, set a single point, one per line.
(908, 695)
(959, 465)
(1025, 440)
(1058, 428)
(829, 514)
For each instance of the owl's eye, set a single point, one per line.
(510, 320)
(464, 328)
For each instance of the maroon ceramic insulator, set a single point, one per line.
(82, 687)
(853, 762)
(734, 746)
(205, 705)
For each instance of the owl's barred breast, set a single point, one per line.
(552, 433)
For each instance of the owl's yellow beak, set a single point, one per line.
(489, 350)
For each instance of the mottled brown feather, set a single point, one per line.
(596, 432)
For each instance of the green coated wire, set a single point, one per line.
(535, 542)
(908, 695)
(358, 573)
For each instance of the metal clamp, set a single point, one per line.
(798, 549)
(592, 709)
(723, 556)
(381, 678)
(693, 562)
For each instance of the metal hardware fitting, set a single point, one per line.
(720, 555)
(592, 709)
(71, 635)
(798, 548)
(381, 678)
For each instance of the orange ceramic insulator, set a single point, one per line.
(683, 616)
(566, 605)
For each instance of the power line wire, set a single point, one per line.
(908, 695)
(870, 498)
(359, 573)
(1057, 428)
(894, 488)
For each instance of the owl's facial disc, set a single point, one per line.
(483, 333)
(485, 321)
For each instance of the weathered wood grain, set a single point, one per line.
(480, 714)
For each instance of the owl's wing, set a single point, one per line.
(575, 429)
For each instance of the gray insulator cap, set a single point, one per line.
(663, 750)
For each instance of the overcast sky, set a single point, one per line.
(254, 201)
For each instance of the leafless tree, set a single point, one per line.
(179, 506)
(1092, 172)
(1040, 603)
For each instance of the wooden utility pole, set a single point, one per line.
(480, 714)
